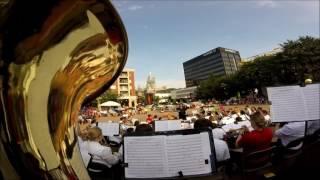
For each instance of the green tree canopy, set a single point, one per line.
(108, 95)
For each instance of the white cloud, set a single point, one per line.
(267, 3)
(134, 7)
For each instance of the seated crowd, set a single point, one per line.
(235, 132)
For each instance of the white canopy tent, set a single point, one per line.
(110, 104)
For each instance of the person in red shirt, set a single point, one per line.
(149, 119)
(258, 139)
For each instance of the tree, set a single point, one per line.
(108, 95)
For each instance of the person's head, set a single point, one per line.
(136, 123)
(155, 117)
(144, 128)
(257, 120)
(211, 118)
(238, 119)
(94, 134)
(203, 123)
(253, 109)
(242, 112)
(84, 134)
(129, 130)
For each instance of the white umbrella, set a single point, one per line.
(110, 104)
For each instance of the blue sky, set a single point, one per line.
(165, 33)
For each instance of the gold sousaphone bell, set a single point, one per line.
(55, 56)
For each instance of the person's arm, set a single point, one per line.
(107, 155)
(238, 141)
(240, 137)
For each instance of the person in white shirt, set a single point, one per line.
(290, 132)
(244, 116)
(83, 140)
(227, 120)
(101, 154)
(221, 147)
(218, 133)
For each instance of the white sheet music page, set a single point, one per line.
(188, 154)
(109, 129)
(145, 156)
(161, 125)
(287, 104)
(311, 94)
(174, 125)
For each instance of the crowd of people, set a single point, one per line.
(235, 132)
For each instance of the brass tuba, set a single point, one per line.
(55, 56)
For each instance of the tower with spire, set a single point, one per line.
(150, 88)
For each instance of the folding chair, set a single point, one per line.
(98, 171)
(258, 164)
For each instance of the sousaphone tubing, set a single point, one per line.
(55, 56)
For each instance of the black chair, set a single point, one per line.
(98, 171)
(313, 138)
(287, 156)
(258, 164)
(289, 152)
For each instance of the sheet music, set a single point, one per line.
(165, 156)
(161, 125)
(295, 103)
(185, 154)
(311, 94)
(287, 104)
(145, 157)
(109, 129)
(167, 125)
(174, 125)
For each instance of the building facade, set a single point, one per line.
(184, 93)
(218, 62)
(268, 53)
(124, 87)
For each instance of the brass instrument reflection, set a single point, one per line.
(70, 53)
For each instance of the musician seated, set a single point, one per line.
(290, 132)
(221, 148)
(258, 139)
(101, 152)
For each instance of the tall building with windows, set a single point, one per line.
(218, 62)
(124, 87)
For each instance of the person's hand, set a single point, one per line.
(245, 128)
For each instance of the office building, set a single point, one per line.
(217, 62)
